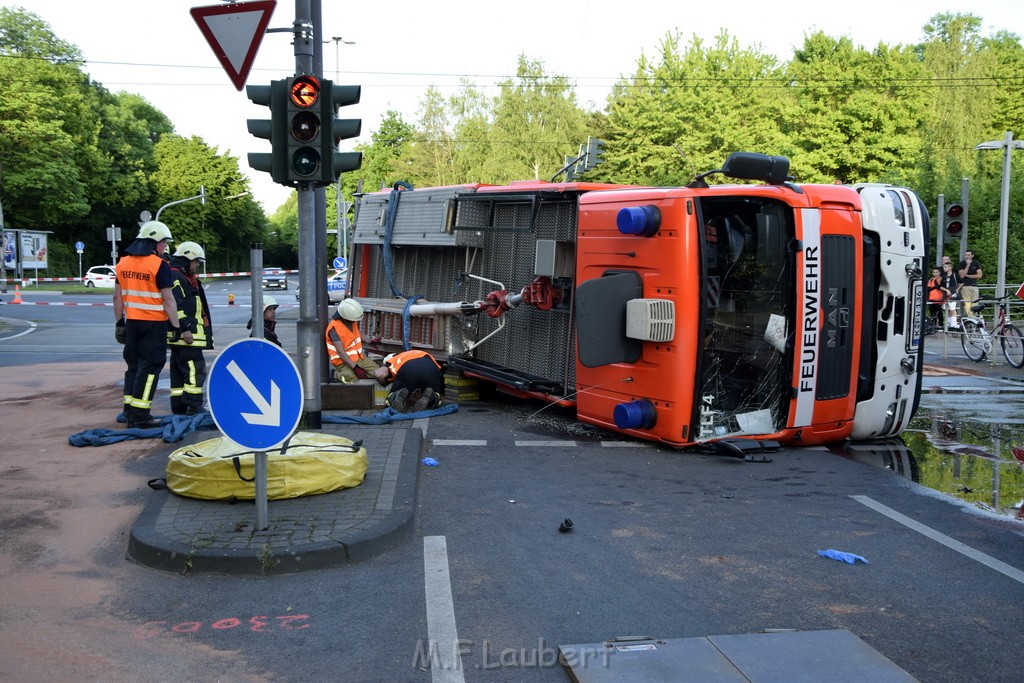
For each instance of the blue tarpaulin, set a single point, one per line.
(175, 427)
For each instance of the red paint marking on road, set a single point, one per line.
(256, 624)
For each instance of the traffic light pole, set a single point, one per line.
(310, 339)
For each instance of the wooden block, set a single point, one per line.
(355, 396)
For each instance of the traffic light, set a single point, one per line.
(303, 126)
(274, 162)
(594, 154)
(954, 221)
(335, 163)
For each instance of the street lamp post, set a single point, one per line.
(1007, 144)
(201, 197)
(340, 231)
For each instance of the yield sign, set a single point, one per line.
(235, 32)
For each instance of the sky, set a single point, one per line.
(155, 49)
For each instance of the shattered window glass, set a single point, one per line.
(748, 302)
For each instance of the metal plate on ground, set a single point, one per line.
(789, 657)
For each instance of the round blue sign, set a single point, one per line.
(255, 394)
(340, 263)
(79, 245)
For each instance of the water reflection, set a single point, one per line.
(982, 464)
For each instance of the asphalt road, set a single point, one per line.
(664, 543)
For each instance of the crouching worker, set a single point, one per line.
(415, 378)
(345, 345)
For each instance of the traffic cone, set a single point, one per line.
(17, 295)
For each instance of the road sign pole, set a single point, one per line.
(261, 491)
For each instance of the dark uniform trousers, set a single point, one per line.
(145, 352)
(188, 373)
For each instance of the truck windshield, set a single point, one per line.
(748, 297)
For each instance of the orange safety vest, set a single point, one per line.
(935, 293)
(142, 299)
(394, 363)
(350, 341)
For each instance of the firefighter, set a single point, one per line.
(415, 378)
(188, 366)
(269, 321)
(345, 345)
(144, 307)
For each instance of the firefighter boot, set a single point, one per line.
(143, 419)
(427, 401)
(398, 399)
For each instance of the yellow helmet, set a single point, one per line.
(190, 250)
(154, 230)
(350, 309)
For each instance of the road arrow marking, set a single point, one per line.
(270, 413)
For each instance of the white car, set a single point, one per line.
(99, 276)
(335, 286)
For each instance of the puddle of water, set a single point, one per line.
(981, 464)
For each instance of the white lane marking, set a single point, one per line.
(459, 442)
(441, 631)
(545, 443)
(962, 548)
(31, 328)
(623, 444)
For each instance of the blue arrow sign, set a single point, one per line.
(340, 263)
(255, 394)
(79, 246)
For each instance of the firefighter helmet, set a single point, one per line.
(191, 251)
(350, 309)
(269, 302)
(154, 230)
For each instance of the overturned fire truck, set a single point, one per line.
(683, 315)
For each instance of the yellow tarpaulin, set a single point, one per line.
(307, 464)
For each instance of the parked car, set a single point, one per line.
(335, 286)
(274, 278)
(99, 276)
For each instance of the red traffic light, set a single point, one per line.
(305, 91)
(954, 225)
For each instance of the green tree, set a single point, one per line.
(858, 115)
(685, 112)
(225, 222)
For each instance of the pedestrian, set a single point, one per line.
(144, 308)
(269, 321)
(970, 273)
(936, 299)
(345, 345)
(415, 378)
(188, 366)
(951, 290)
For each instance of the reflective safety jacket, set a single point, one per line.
(342, 340)
(137, 277)
(193, 311)
(394, 364)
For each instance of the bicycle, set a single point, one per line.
(977, 341)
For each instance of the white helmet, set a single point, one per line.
(190, 250)
(154, 230)
(350, 309)
(269, 302)
(389, 357)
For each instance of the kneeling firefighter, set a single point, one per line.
(415, 378)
